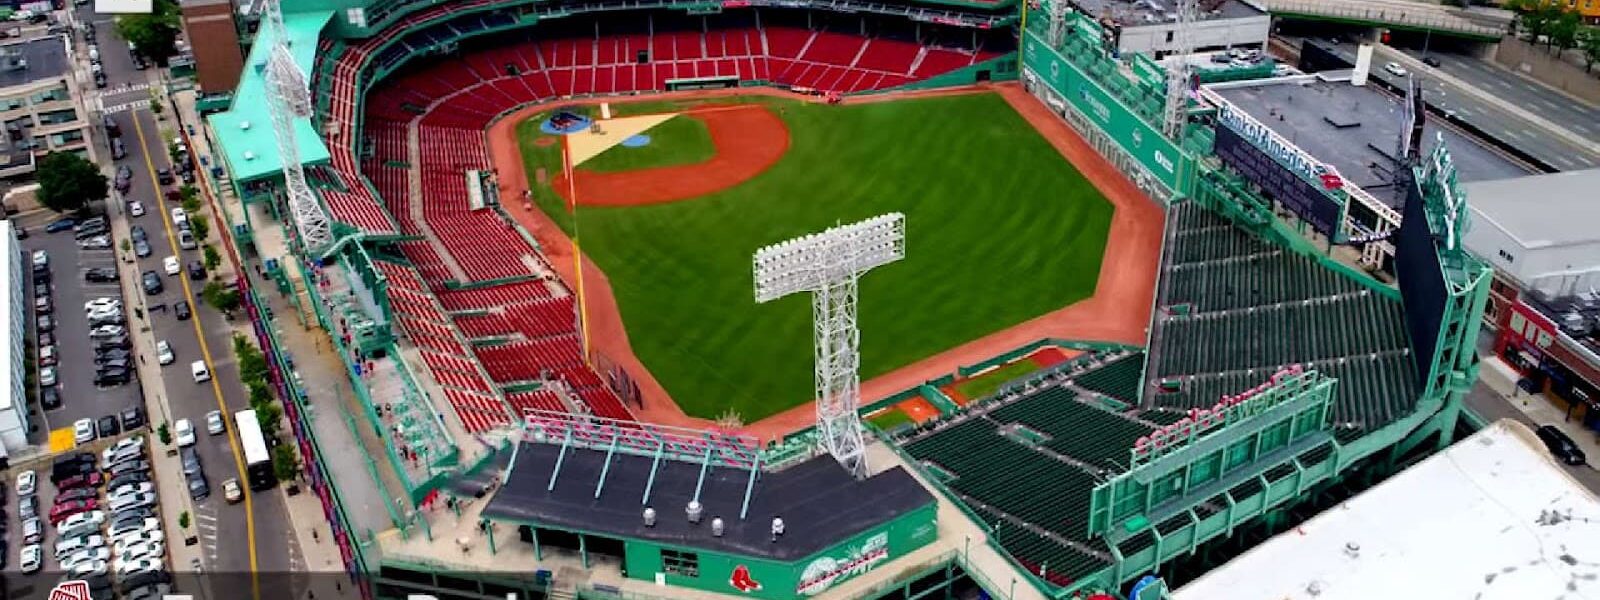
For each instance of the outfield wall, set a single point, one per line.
(1141, 151)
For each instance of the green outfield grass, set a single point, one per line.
(1000, 229)
(676, 141)
(983, 385)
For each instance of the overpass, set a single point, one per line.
(1482, 24)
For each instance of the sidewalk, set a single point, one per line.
(1540, 409)
(318, 549)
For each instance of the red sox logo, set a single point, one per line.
(741, 580)
(70, 590)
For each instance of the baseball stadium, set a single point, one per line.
(1095, 330)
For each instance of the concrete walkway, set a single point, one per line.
(319, 552)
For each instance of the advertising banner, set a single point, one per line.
(1308, 200)
(1144, 143)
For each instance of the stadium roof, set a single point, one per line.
(1491, 518)
(1355, 129)
(1541, 210)
(252, 152)
(820, 503)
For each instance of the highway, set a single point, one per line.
(237, 540)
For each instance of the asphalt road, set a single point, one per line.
(1493, 120)
(223, 527)
(1546, 102)
(1489, 405)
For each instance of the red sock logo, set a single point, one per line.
(741, 580)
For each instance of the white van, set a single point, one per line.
(199, 371)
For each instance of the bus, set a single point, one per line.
(257, 461)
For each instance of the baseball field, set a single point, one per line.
(1000, 229)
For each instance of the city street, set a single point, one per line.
(234, 539)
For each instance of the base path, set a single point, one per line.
(1118, 312)
(748, 139)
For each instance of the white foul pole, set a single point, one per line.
(828, 265)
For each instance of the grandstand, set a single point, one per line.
(1274, 373)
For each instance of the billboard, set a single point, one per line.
(1422, 288)
(1308, 200)
(1139, 139)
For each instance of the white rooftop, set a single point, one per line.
(1491, 518)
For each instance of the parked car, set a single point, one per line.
(1430, 61)
(164, 176)
(45, 323)
(141, 248)
(183, 430)
(127, 478)
(32, 530)
(164, 353)
(136, 209)
(97, 242)
(47, 376)
(27, 483)
(1560, 446)
(60, 512)
(74, 494)
(215, 424)
(132, 418)
(89, 480)
(100, 275)
(1395, 69)
(47, 356)
(31, 558)
(180, 309)
(108, 426)
(60, 225)
(152, 282)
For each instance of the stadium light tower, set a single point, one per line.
(1179, 75)
(828, 265)
(289, 98)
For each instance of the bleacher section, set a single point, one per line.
(1233, 308)
(1025, 459)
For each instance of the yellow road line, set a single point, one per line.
(205, 353)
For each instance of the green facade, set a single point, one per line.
(1146, 144)
(715, 571)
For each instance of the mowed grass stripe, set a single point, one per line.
(1000, 229)
(681, 140)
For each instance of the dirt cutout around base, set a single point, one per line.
(1118, 312)
(749, 139)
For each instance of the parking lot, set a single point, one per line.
(106, 560)
(80, 397)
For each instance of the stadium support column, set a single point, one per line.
(828, 265)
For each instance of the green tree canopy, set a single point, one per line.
(221, 297)
(285, 462)
(1589, 42)
(68, 182)
(155, 35)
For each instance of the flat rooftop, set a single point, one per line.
(820, 503)
(1356, 129)
(1133, 13)
(1541, 210)
(35, 59)
(1493, 517)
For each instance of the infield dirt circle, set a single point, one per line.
(748, 140)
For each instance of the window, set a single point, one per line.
(686, 564)
(1507, 256)
(1169, 36)
(58, 116)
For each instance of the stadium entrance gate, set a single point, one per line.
(1102, 143)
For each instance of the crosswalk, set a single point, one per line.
(125, 88)
(126, 106)
(205, 521)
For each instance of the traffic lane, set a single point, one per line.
(1530, 94)
(217, 523)
(115, 60)
(80, 397)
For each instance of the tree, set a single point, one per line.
(155, 35)
(212, 258)
(267, 416)
(183, 520)
(164, 433)
(260, 394)
(1590, 44)
(285, 462)
(221, 297)
(189, 195)
(1535, 16)
(1564, 31)
(201, 226)
(68, 182)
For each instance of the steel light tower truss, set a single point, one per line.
(1179, 74)
(1059, 12)
(289, 98)
(828, 265)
